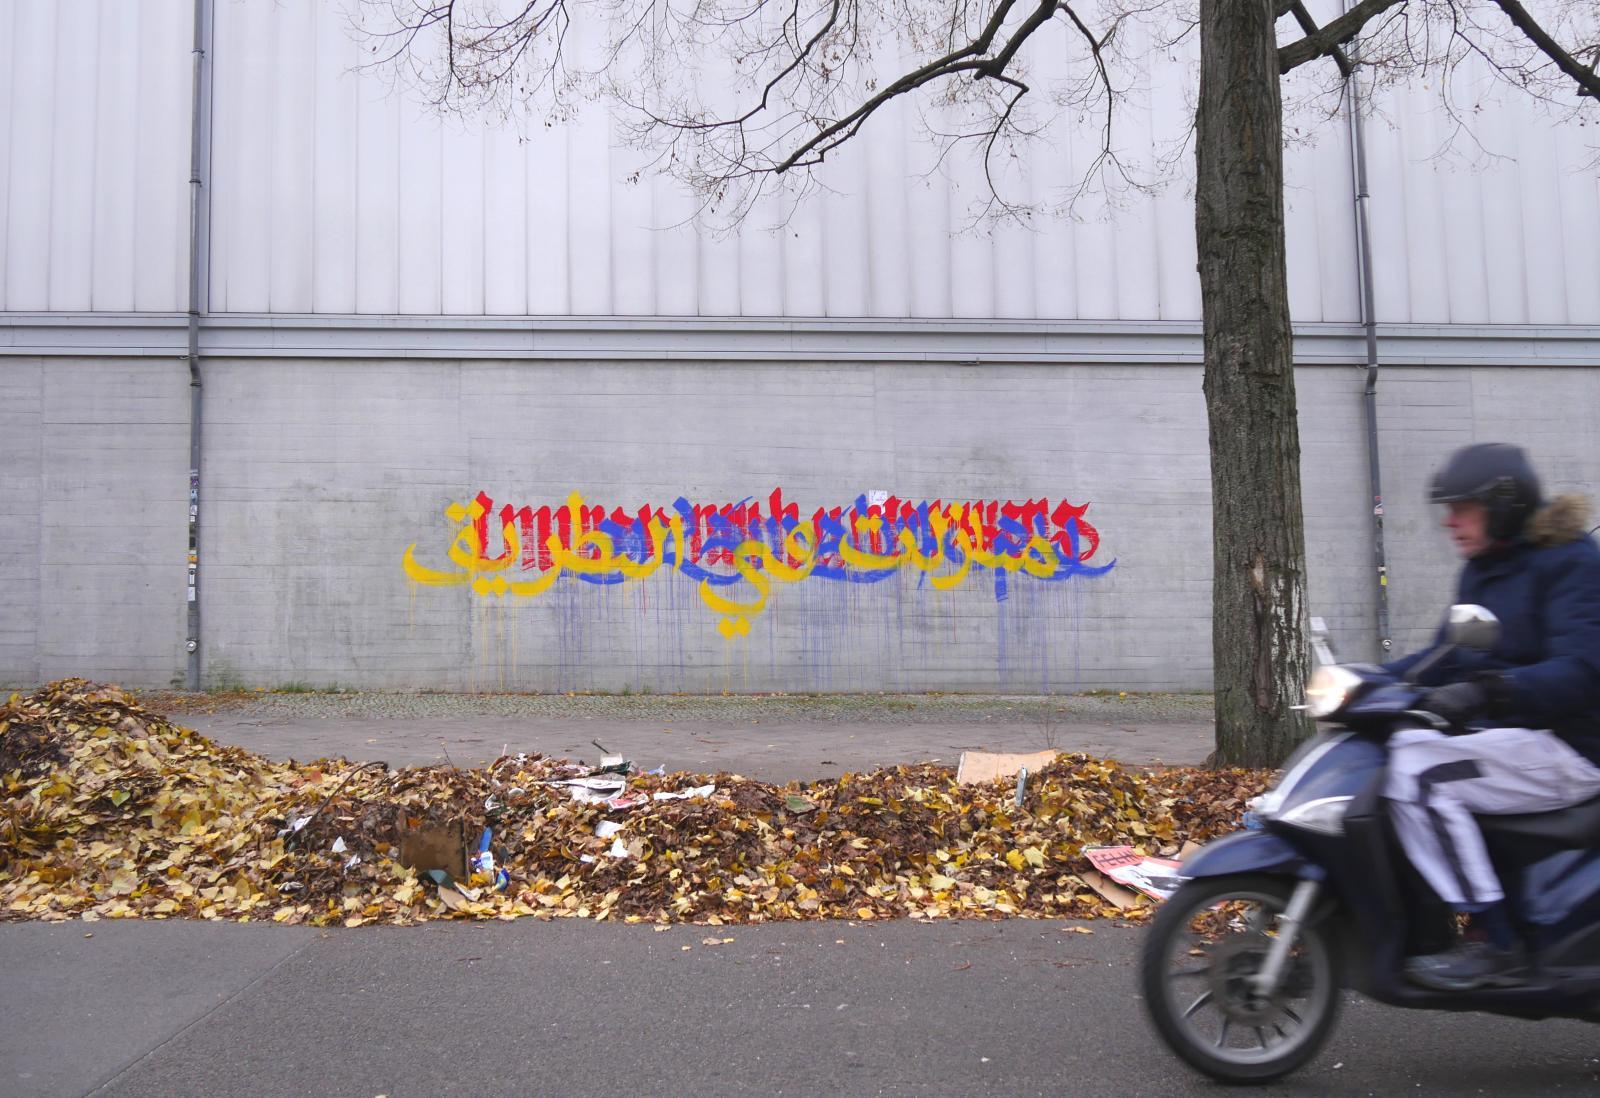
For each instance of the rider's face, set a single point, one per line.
(1468, 523)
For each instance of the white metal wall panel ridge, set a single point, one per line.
(334, 193)
(967, 342)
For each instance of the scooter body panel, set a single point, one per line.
(1244, 852)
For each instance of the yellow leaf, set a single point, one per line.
(1015, 859)
(1035, 856)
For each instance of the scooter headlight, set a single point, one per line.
(1325, 814)
(1329, 690)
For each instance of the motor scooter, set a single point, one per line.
(1242, 968)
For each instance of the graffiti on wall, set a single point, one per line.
(740, 556)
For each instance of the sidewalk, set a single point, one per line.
(775, 738)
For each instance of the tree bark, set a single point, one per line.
(1259, 647)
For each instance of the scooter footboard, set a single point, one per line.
(1245, 852)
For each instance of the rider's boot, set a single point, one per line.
(1488, 956)
(1469, 965)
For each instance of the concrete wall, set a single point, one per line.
(92, 518)
(320, 473)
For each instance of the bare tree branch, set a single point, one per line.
(805, 76)
(1587, 80)
(1309, 25)
(1335, 34)
(814, 150)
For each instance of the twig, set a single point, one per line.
(293, 838)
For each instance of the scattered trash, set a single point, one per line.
(592, 790)
(297, 824)
(1156, 878)
(338, 846)
(108, 810)
(686, 794)
(441, 846)
(1022, 785)
(483, 868)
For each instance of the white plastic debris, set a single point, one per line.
(687, 794)
(591, 790)
(294, 825)
(338, 846)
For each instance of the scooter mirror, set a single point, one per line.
(1472, 627)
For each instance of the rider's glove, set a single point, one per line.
(1457, 703)
(1484, 695)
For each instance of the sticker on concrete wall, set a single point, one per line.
(740, 558)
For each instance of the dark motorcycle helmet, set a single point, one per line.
(1497, 475)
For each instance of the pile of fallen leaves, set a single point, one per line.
(109, 810)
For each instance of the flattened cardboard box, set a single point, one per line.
(985, 766)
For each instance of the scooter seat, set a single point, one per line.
(1575, 826)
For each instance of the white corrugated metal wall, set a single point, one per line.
(94, 155)
(334, 194)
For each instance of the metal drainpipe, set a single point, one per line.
(1369, 322)
(199, 134)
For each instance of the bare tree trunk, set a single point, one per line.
(1258, 540)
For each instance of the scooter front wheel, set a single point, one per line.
(1197, 973)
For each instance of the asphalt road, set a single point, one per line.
(566, 1008)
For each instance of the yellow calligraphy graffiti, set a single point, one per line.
(593, 553)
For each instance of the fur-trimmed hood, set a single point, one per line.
(1564, 519)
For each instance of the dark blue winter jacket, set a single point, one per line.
(1545, 590)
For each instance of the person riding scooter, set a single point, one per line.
(1523, 717)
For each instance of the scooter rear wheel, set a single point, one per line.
(1202, 949)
